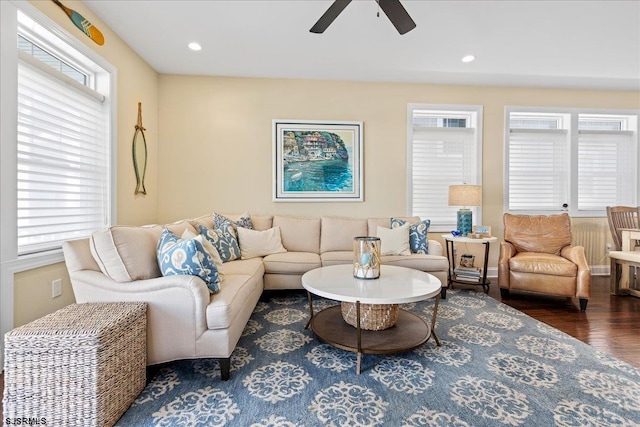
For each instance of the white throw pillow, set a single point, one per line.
(259, 243)
(394, 241)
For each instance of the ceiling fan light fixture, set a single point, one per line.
(194, 46)
(468, 58)
(394, 10)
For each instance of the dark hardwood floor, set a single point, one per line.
(610, 324)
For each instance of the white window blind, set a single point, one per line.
(607, 165)
(538, 175)
(441, 157)
(573, 160)
(62, 160)
(444, 149)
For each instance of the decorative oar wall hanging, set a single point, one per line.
(139, 149)
(85, 26)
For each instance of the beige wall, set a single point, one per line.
(216, 146)
(136, 82)
(32, 293)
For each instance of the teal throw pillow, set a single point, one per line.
(243, 221)
(187, 257)
(418, 234)
(224, 239)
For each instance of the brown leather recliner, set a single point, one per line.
(537, 256)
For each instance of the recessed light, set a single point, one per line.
(468, 58)
(194, 46)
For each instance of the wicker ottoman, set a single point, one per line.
(82, 365)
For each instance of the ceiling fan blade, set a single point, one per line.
(329, 16)
(398, 15)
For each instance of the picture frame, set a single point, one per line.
(317, 161)
(482, 230)
(467, 260)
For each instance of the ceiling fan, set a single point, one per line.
(396, 13)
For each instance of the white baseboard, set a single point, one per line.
(600, 270)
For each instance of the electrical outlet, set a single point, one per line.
(607, 248)
(56, 288)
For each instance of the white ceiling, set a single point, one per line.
(568, 44)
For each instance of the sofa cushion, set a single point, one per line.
(206, 220)
(394, 241)
(373, 223)
(226, 304)
(223, 239)
(291, 262)
(177, 228)
(251, 267)
(538, 233)
(126, 253)
(210, 249)
(338, 233)
(299, 234)
(537, 262)
(242, 220)
(187, 257)
(418, 234)
(420, 262)
(336, 258)
(262, 222)
(259, 243)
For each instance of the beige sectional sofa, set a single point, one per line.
(184, 319)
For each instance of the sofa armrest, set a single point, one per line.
(97, 279)
(435, 248)
(576, 255)
(77, 255)
(176, 310)
(507, 251)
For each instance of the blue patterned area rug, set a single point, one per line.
(496, 367)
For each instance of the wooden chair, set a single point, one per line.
(622, 217)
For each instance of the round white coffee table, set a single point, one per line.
(396, 285)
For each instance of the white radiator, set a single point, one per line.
(594, 238)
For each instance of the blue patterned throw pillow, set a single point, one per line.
(418, 234)
(187, 257)
(243, 221)
(224, 239)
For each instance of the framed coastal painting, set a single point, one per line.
(317, 161)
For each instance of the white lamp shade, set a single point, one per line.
(465, 195)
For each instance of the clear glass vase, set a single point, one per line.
(366, 257)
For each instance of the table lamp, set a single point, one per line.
(465, 195)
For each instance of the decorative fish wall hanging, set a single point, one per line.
(139, 154)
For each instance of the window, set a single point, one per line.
(63, 147)
(45, 57)
(444, 148)
(572, 160)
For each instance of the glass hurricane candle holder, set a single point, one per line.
(366, 257)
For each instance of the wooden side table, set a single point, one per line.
(450, 241)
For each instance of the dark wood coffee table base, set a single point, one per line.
(409, 332)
